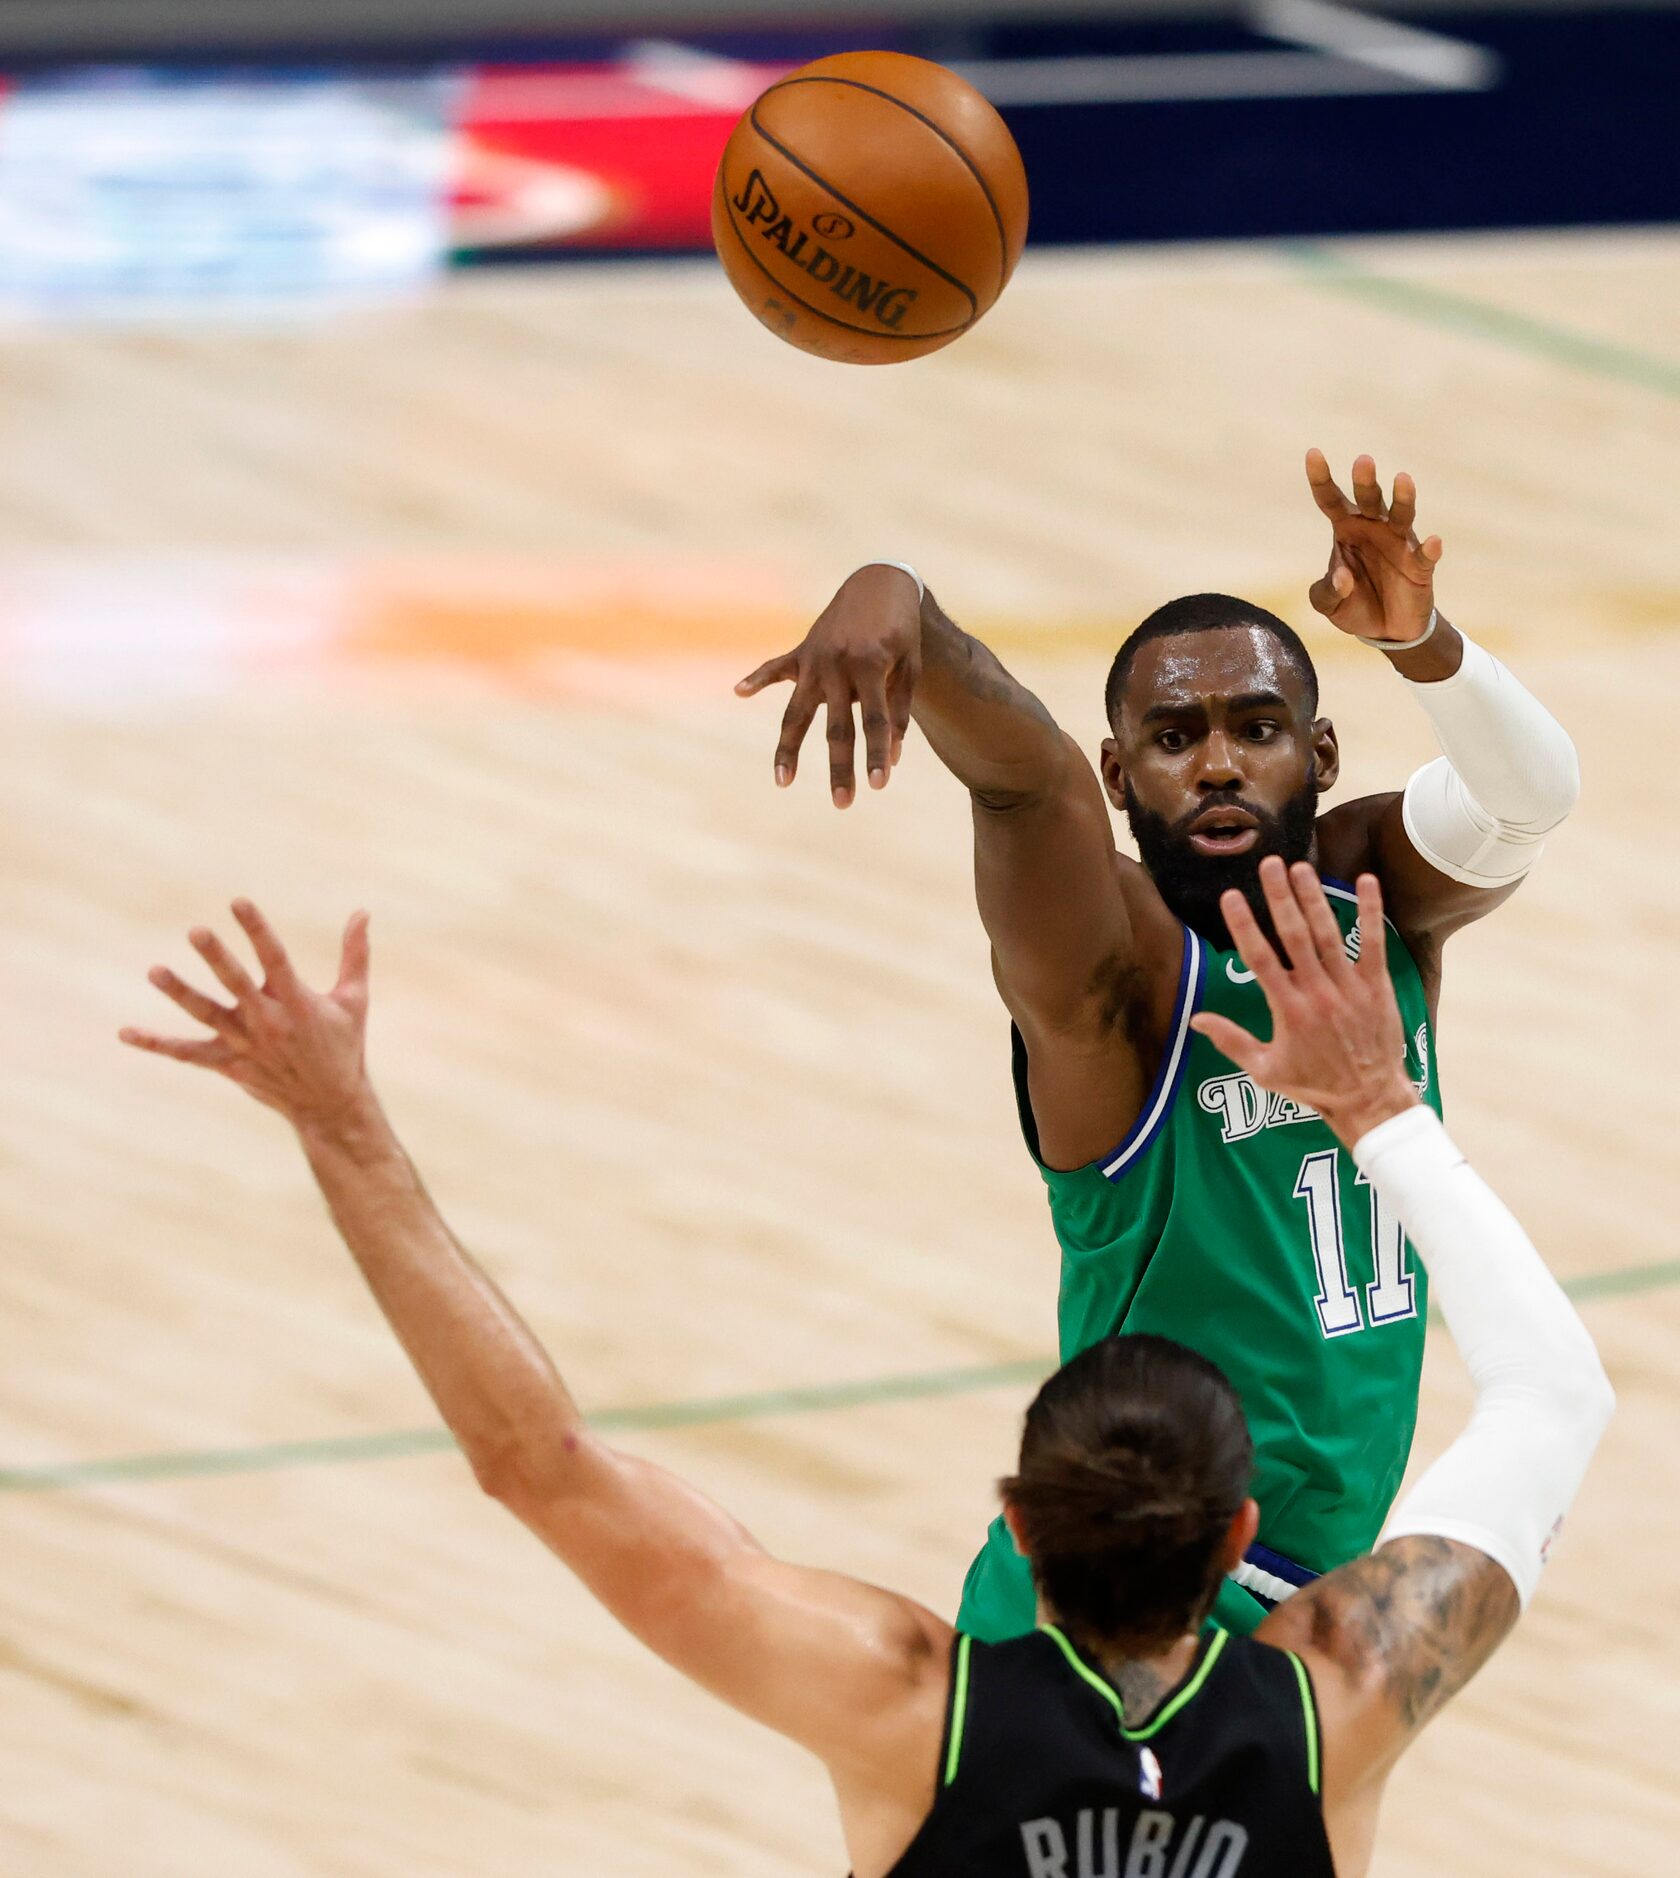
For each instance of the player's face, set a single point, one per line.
(1217, 762)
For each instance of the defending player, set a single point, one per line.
(1186, 1202)
(1120, 1735)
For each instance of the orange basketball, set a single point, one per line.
(870, 207)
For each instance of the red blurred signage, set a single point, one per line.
(613, 156)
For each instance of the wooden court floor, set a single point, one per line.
(435, 610)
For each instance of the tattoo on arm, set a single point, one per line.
(946, 648)
(1421, 1614)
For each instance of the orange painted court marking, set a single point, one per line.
(127, 630)
(512, 613)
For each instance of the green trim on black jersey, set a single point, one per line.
(959, 1709)
(1309, 1714)
(1111, 1695)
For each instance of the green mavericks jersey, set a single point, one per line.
(1232, 1221)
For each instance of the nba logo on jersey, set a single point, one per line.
(1149, 1775)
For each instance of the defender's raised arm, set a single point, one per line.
(1390, 1638)
(855, 1674)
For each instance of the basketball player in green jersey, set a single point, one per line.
(1186, 1200)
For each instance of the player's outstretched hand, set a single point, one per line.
(1380, 583)
(296, 1050)
(1337, 1044)
(864, 650)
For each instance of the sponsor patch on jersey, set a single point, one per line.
(1149, 1774)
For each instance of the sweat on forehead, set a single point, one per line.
(1201, 613)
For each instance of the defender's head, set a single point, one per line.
(1131, 1498)
(1215, 750)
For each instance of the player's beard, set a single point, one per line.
(1191, 882)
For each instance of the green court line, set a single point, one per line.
(406, 1441)
(1439, 306)
(1631, 1279)
(701, 1412)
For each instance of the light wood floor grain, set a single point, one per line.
(436, 611)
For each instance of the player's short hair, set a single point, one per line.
(1135, 1458)
(1205, 613)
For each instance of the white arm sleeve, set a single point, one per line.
(1480, 813)
(1542, 1398)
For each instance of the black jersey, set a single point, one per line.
(1039, 1776)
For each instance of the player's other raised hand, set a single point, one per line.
(1380, 583)
(1337, 1043)
(865, 650)
(300, 1051)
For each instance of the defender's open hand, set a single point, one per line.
(1380, 583)
(865, 649)
(297, 1050)
(1337, 1044)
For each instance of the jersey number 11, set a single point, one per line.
(1389, 1295)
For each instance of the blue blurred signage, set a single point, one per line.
(133, 191)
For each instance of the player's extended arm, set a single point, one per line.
(1391, 1637)
(1043, 844)
(1468, 826)
(853, 1673)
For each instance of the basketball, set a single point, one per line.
(870, 207)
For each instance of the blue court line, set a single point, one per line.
(1480, 319)
(704, 1411)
